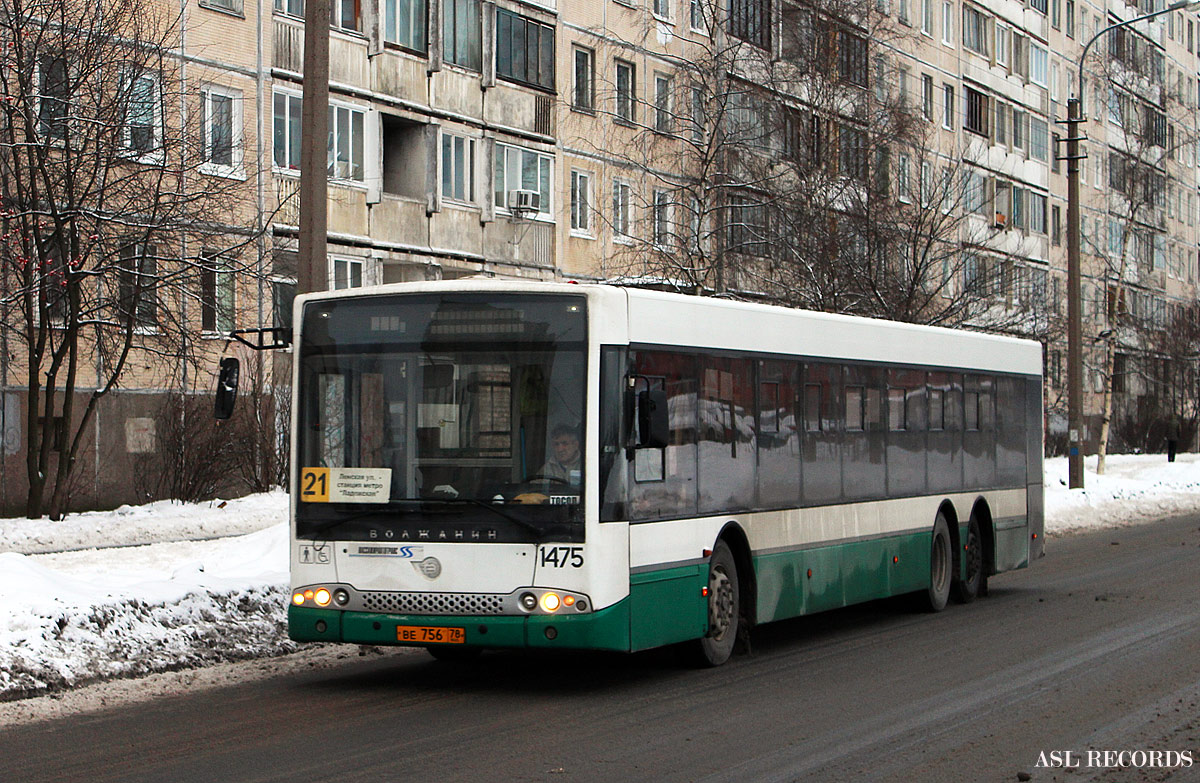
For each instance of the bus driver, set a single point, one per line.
(564, 462)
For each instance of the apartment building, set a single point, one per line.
(545, 139)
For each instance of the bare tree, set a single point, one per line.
(1144, 159)
(108, 225)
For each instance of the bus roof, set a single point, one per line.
(657, 317)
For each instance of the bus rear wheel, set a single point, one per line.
(724, 601)
(941, 560)
(969, 587)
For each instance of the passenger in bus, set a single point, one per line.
(564, 462)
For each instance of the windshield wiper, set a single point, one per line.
(537, 531)
(332, 523)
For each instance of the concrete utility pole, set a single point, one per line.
(1074, 305)
(1075, 117)
(311, 274)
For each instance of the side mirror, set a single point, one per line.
(227, 383)
(654, 428)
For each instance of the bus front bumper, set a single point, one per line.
(606, 629)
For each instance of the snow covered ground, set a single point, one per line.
(170, 586)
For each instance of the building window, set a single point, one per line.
(852, 58)
(1039, 139)
(661, 219)
(662, 104)
(138, 283)
(1039, 66)
(750, 21)
(347, 273)
(458, 167)
(948, 22)
(1039, 6)
(54, 97)
(697, 16)
(974, 192)
(581, 202)
(404, 24)
(927, 96)
(662, 9)
(852, 153)
(292, 7)
(746, 229)
(462, 34)
(975, 29)
(948, 107)
(344, 15)
(216, 294)
(220, 114)
(524, 50)
(583, 95)
(976, 115)
(287, 124)
(143, 113)
(622, 209)
(626, 90)
(903, 183)
(1069, 8)
(698, 114)
(521, 169)
(283, 293)
(1035, 205)
(345, 158)
(927, 17)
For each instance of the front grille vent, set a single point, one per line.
(433, 603)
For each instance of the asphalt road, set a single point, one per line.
(1097, 646)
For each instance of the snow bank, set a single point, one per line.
(164, 520)
(103, 612)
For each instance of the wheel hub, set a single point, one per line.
(720, 604)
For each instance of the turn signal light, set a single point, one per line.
(298, 599)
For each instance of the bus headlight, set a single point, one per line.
(321, 597)
(551, 602)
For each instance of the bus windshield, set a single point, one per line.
(442, 417)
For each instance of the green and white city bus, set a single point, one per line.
(489, 464)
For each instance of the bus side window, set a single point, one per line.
(663, 481)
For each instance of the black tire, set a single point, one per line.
(454, 653)
(724, 609)
(967, 589)
(941, 560)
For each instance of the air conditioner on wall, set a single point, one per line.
(523, 201)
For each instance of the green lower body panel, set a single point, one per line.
(668, 606)
(607, 629)
(813, 580)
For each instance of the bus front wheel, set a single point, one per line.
(941, 561)
(724, 600)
